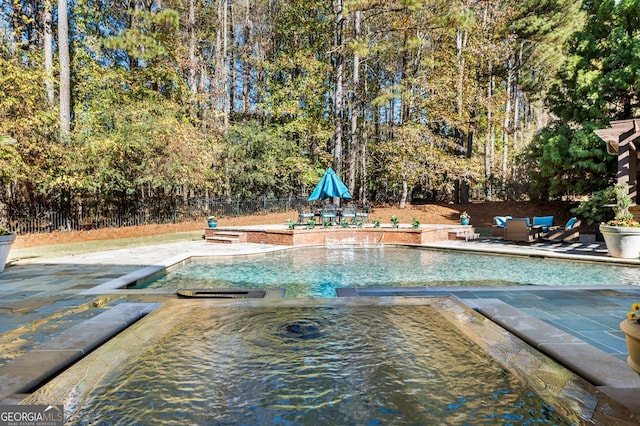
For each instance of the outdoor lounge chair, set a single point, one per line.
(520, 229)
(303, 216)
(499, 223)
(567, 233)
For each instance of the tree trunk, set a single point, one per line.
(246, 67)
(48, 52)
(506, 124)
(517, 97)
(355, 110)
(461, 43)
(339, 92)
(192, 70)
(191, 48)
(65, 69)
(231, 48)
(221, 75)
(489, 146)
(405, 193)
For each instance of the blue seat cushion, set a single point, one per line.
(570, 223)
(543, 221)
(501, 221)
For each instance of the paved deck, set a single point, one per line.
(42, 298)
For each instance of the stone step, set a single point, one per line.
(222, 240)
(470, 236)
(231, 234)
(226, 237)
(464, 234)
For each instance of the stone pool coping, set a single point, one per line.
(608, 373)
(572, 396)
(25, 374)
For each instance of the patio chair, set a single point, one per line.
(349, 213)
(303, 216)
(329, 213)
(520, 229)
(544, 223)
(567, 233)
(499, 223)
(363, 214)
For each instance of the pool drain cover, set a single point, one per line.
(300, 330)
(221, 293)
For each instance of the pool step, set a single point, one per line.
(224, 237)
(464, 234)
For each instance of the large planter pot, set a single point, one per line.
(5, 246)
(631, 331)
(464, 221)
(212, 223)
(621, 241)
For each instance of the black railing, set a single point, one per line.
(90, 217)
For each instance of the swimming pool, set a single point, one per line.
(318, 271)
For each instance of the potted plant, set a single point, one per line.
(395, 221)
(631, 329)
(465, 218)
(622, 234)
(415, 223)
(6, 240)
(212, 221)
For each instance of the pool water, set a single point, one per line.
(317, 272)
(311, 365)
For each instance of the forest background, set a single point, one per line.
(143, 105)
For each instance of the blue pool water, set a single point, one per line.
(317, 272)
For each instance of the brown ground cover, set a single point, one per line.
(481, 213)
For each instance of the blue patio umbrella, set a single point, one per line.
(330, 186)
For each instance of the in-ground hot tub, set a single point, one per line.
(320, 361)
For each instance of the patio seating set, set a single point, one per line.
(522, 229)
(332, 215)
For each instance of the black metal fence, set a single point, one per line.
(43, 220)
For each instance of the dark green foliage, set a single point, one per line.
(601, 80)
(566, 161)
(599, 83)
(597, 208)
